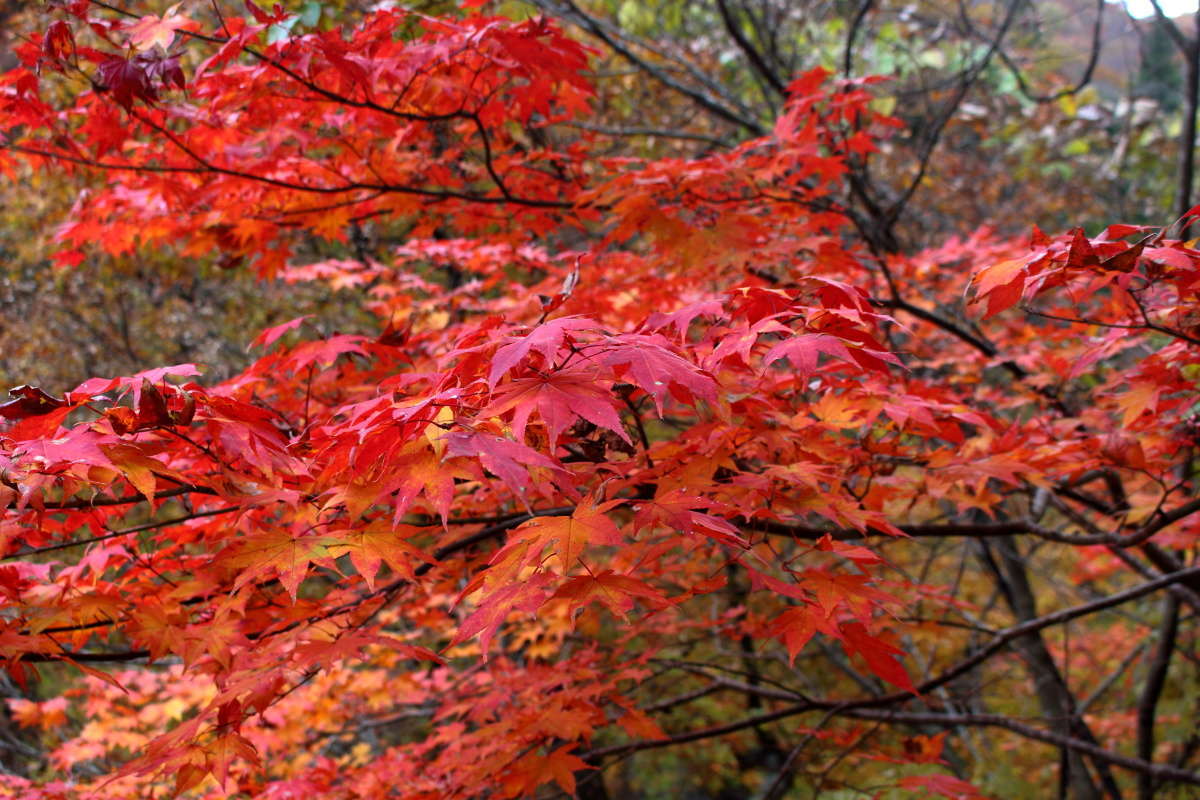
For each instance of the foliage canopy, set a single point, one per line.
(650, 465)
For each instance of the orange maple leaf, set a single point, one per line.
(278, 551)
(153, 30)
(568, 536)
(376, 544)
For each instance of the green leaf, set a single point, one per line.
(282, 31)
(310, 15)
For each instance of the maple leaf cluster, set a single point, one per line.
(620, 419)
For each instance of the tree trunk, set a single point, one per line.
(1187, 138)
(1054, 696)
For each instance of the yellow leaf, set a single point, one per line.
(1142, 397)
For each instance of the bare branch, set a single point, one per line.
(1084, 79)
(756, 59)
(1152, 689)
(860, 16)
(934, 133)
(37, 551)
(1161, 772)
(604, 33)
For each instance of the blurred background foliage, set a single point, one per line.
(1037, 138)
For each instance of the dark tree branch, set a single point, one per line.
(439, 555)
(656, 132)
(998, 642)
(121, 501)
(757, 61)
(1160, 772)
(933, 134)
(1156, 679)
(205, 168)
(856, 24)
(1171, 28)
(1084, 79)
(705, 100)
(1189, 48)
(37, 551)
(1094, 751)
(1187, 137)
(1054, 694)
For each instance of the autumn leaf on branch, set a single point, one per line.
(153, 30)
